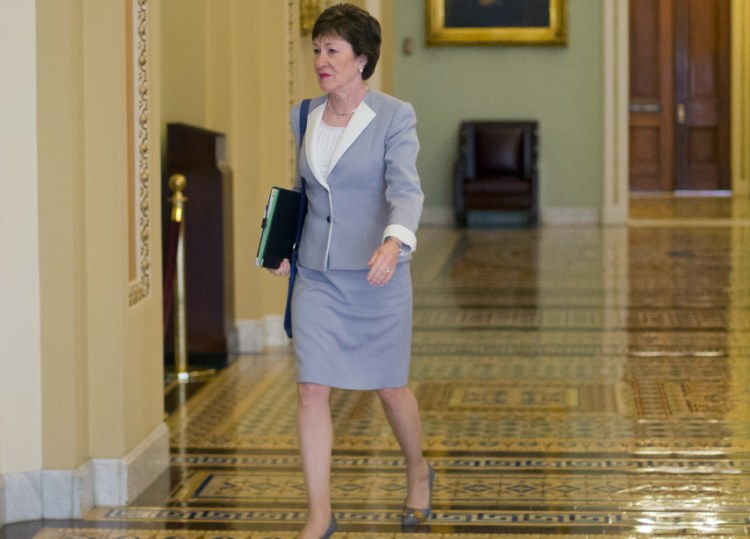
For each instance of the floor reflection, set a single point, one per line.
(574, 380)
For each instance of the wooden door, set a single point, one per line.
(679, 95)
(702, 94)
(651, 95)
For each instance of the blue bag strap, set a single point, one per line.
(303, 111)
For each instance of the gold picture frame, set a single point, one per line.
(497, 22)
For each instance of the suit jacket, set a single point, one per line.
(372, 190)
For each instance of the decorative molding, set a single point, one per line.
(140, 288)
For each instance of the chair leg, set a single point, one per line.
(534, 217)
(460, 219)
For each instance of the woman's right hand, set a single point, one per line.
(283, 270)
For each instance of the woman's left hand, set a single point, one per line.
(383, 263)
(283, 270)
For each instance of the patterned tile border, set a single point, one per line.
(543, 520)
(98, 533)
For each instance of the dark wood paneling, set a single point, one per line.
(195, 153)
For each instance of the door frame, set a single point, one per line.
(616, 188)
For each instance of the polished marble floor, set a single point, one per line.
(574, 380)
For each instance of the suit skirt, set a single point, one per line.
(349, 334)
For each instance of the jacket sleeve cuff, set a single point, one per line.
(403, 234)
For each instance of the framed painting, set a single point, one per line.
(497, 22)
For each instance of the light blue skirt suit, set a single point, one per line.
(348, 333)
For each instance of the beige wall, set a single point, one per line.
(260, 151)
(741, 97)
(62, 232)
(243, 92)
(83, 372)
(123, 343)
(246, 64)
(20, 361)
(83, 366)
(184, 71)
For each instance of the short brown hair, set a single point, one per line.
(356, 26)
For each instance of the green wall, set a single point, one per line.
(561, 87)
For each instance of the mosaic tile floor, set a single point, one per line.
(576, 381)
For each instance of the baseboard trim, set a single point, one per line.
(570, 216)
(274, 333)
(67, 493)
(22, 496)
(63, 494)
(254, 336)
(119, 481)
(441, 216)
(436, 216)
(249, 336)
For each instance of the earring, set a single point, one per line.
(361, 70)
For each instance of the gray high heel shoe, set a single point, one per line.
(332, 527)
(412, 517)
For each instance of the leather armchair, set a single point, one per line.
(496, 168)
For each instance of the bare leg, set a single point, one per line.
(315, 431)
(401, 409)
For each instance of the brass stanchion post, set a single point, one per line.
(177, 183)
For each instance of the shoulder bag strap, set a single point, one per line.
(304, 108)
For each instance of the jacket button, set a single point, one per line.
(328, 218)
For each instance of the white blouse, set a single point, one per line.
(324, 144)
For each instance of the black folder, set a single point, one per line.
(279, 228)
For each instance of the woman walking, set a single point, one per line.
(352, 301)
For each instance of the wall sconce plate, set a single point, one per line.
(309, 10)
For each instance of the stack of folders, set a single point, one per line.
(279, 228)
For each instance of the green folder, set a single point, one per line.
(278, 228)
